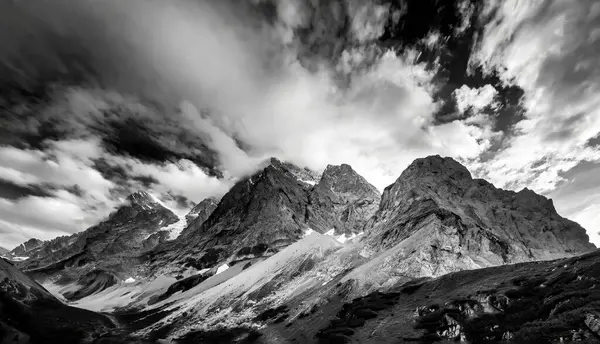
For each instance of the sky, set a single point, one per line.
(182, 98)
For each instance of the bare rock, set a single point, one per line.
(445, 219)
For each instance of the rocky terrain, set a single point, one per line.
(290, 254)
(271, 209)
(25, 251)
(550, 302)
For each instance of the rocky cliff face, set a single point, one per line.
(269, 208)
(27, 249)
(343, 200)
(450, 218)
(199, 213)
(274, 208)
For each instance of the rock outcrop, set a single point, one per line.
(274, 208)
(113, 245)
(543, 302)
(451, 218)
(199, 213)
(26, 249)
(343, 200)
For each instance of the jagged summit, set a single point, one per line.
(304, 175)
(141, 197)
(203, 209)
(343, 178)
(25, 250)
(275, 207)
(343, 199)
(196, 217)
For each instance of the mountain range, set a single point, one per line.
(289, 254)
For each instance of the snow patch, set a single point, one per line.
(130, 280)
(19, 259)
(222, 268)
(309, 182)
(343, 238)
(176, 228)
(307, 232)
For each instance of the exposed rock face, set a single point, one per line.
(54, 245)
(304, 175)
(27, 248)
(444, 218)
(113, 245)
(267, 208)
(592, 321)
(199, 213)
(343, 200)
(275, 207)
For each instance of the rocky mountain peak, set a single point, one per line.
(435, 165)
(199, 213)
(343, 200)
(206, 205)
(25, 249)
(304, 175)
(435, 198)
(342, 178)
(141, 198)
(141, 204)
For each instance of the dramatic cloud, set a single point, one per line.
(78, 194)
(475, 99)
(184, 97)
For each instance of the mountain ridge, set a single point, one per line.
(273, 249)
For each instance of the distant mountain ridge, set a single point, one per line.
(113, 246)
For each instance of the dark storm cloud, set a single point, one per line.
(12, 191)
(594, 141)
(445, 33)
